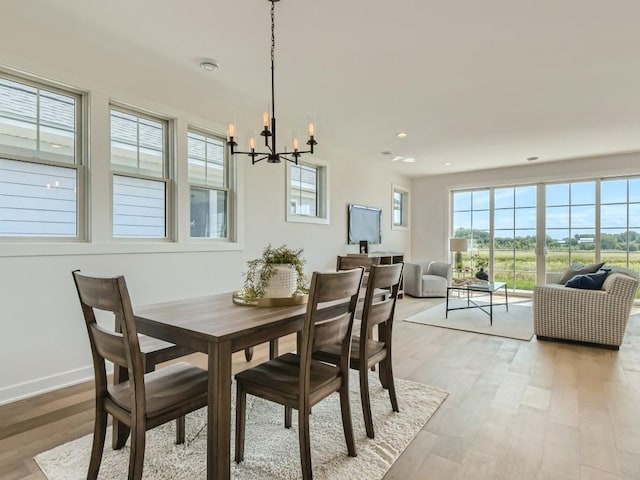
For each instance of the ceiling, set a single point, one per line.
(474, 84)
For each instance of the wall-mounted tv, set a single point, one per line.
(365, 224)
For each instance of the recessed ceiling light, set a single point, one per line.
(210, 65)
(397, 158)
(401, 134)
(409, 160)
(532, 159)
(447, 164)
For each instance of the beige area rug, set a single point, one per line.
(516, 323)
(271, 451)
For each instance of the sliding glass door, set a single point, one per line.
(570, 219)
(620, 222)
(514, 236)
(520, 233)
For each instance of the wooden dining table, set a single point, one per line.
(214, 325)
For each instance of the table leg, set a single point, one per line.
(446, 311)
(219, 412)
(491, 308)
(506, 297)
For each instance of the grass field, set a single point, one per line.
(518, 268)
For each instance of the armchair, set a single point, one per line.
(591, 316)
(427, 279)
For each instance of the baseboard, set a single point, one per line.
(24, 390)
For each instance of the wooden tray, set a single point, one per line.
(238, 299)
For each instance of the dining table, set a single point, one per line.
(218, 327)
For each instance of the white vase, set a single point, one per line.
(282, 283)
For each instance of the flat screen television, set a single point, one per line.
(365, 224)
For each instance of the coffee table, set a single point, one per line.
(489, 288)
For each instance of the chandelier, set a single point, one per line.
(271, 154)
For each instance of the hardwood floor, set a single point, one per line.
(516, 410)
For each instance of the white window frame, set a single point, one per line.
(79, 164)
(322, 216)
(168, 160)
(405, 192)
(229, 175)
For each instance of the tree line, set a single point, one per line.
(628, 241)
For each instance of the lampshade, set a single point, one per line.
(458, 245)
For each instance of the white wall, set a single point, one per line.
(431, 195)
(43, 343)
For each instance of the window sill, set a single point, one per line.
(43, 249)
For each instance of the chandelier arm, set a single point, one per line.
(272, 156)
(288, 159)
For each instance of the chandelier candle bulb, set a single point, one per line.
(296, 144)
(312, 129)
(265, 119)
(252, 143)
(231, 131)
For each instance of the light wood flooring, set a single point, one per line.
(516, 410)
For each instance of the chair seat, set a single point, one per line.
(283, 374)
(166, 389)
(375, 352)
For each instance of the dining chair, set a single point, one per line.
(145, 400)
(153, 351)
(366, 354)
(297, 381)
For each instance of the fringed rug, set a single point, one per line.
(271, 451)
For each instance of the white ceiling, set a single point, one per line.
(479, 84)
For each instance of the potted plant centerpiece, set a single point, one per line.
(277, 274)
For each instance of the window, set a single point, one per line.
(209, 184)
(40, 160)
(521, 240)
(399, 207)
(307, 192)
(139, 146)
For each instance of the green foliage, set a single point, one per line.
(260, 270)
(608, 241)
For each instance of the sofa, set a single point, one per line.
(427, 279)
(591, 316)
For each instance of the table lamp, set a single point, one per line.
(458, 245)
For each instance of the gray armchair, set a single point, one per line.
(427, 279)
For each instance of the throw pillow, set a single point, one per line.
(588, 281)
(579, 269)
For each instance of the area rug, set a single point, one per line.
(516, 323)
(271, 451)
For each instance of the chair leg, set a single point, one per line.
(287, 417)
(120, 435)
(136, 455)
(386, 366)
(366, 402)
(305, 443)
(248, 354)
(241, 408)
(347, 426)
(180, 430)
(99, 435)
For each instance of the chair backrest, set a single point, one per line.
(120, 346)
(381, 313)
(333, 298)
